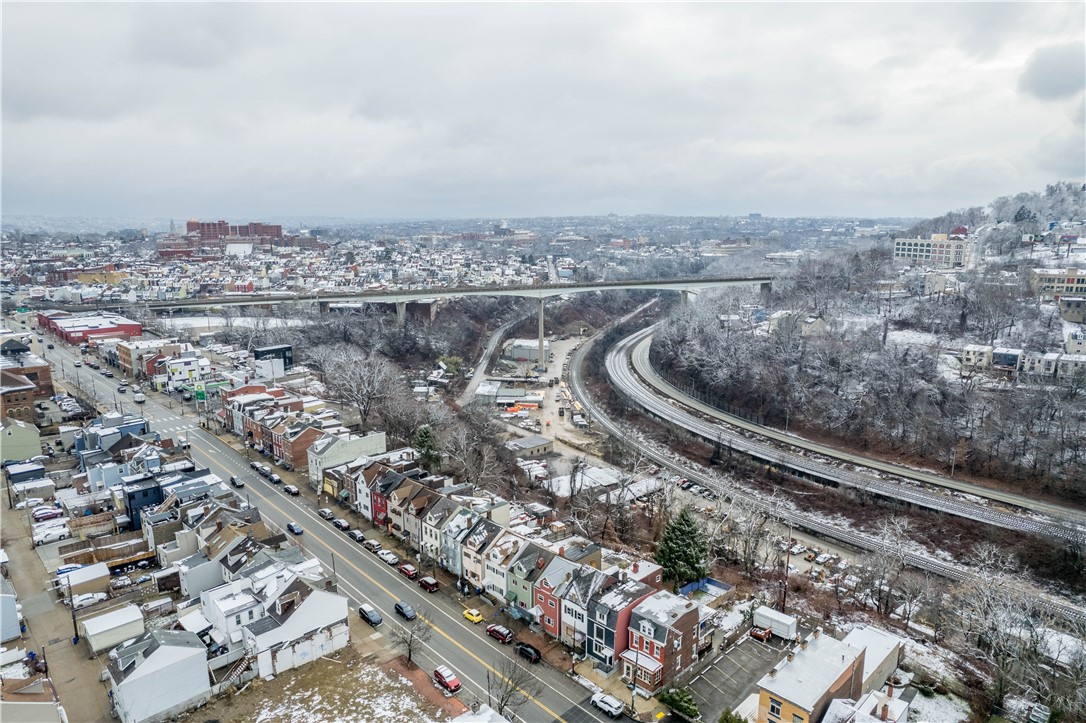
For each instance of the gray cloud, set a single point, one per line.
(244, 110)
(1055, 72)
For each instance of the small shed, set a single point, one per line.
(103, 632)
(90, 578)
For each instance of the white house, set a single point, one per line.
(300, 624)
(331, 450)
(159, 675)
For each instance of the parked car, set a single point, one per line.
(65, 569)
(122, 389)
(119, 583)
(356, 535)
(186, 396)
(608, 704)
(447, 679)
(29, 502)
(428, 584)
(107, 374)
(264, 470)
(341, 524)
(87, 599)
(405, 610)
(237, 481)
(409, 571)
(369, 614)
(141, 579)
(52, 534)
(291, 490)
(43, 514)
(473, 616)
(255, 465)
(325, 514)
(295, 528)
(528, 652)
(372, 545)
(274, 479)
(500, 633)
(389, 557)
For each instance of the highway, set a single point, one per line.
(361, 575)
(1068, 519)
(816, 526)
(755, 440)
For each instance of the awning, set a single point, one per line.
(235, 637)
(511, 595)
(641, 660)
(536, 612)
(217, 636)
(344, 494)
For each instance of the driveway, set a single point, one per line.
(734, 674)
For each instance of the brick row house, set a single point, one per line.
(603, 605)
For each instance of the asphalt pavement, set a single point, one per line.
(360, 575)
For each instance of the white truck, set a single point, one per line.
(783, 626)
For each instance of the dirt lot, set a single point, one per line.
(342, 687)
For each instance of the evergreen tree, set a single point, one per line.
(683, 551)
(426, 443)
(729, 717)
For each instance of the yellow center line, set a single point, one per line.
(387, 591)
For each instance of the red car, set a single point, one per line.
(49, 514)
(500, 633)
(447, 679)
(409, 571)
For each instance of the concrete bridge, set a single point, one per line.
(401, 297)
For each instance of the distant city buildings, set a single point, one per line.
(941, 250)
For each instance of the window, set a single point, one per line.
(237, 620)
(549, 621)
(797, 718)
(774, 708)
(250, 614)
(539, 597)
(550, 603)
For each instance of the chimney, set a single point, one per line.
(817, 632)
(539, 562)
(791, 655)
(885, 711)
(562, 551)
(218, 525)
(803, 645)
(889, 690)
(637, 565)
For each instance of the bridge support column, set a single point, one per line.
(684, 297)
(542, 354)
(765, 288)
(401, 313)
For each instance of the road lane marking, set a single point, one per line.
(388, 592)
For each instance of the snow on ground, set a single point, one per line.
(911, 337)
(938, 709)
(937, 662)
(361, 693)
(733, 618)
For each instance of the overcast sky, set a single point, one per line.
(246, 111)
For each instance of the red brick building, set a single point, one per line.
(215, 230)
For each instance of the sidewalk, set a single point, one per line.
(49, 629)
(612, 685)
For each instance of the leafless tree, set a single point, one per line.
(473, 458)
(512, 685)
(361, 379)
(412, 635)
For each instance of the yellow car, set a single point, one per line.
(473, 615)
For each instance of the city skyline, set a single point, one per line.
(463, 111)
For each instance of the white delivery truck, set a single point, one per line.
(783, 626)
(106, 631)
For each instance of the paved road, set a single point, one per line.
(1070, 522)
(728, 490)
(361, 575)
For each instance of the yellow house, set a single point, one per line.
(800, 687)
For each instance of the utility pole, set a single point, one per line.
(787, 562)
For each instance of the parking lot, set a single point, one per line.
(734, 674)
